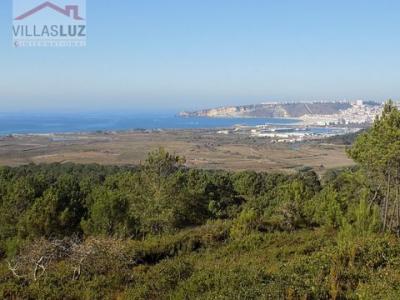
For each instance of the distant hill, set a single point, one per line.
(271, 110)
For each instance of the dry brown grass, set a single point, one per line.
(202, 149)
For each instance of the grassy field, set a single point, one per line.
(202, 149)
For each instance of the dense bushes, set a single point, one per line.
(164, 231)
(160, 196)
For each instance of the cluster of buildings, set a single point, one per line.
(298, 133)
(281, 132)
(358, 113)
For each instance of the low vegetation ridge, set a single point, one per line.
(161, 230)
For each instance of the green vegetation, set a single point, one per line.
(163, 231)
(343, 139)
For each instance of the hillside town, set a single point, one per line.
(358, 113)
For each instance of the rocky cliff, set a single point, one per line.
(271, 110)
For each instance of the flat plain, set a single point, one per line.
(201, 148)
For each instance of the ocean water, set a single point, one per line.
(30, 123)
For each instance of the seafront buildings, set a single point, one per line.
(315, 126)
(358, 113)
(356, 116)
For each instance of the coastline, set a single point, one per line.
(61, 124)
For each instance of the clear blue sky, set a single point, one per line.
(183, 54)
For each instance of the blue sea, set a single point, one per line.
(31, 123)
